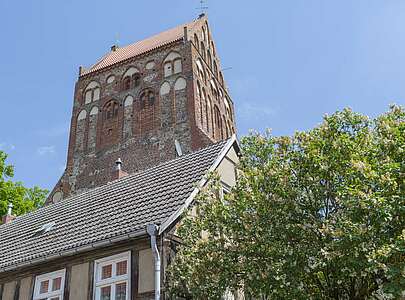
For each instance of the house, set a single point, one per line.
(158, 110)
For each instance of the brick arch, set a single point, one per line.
(80, 130)
(91, 91)
(172, 64)
(110, 121)
(131, 78)
(146, 110)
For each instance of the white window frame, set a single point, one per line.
(112, 260)
(50, 276)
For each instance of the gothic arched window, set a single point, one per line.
(92, 92)
(131, 79)
(209, 59)
(126, 83)
(172, 64)
(147, 99)
(196, 41)
(203, 50)
(110, 110)
(215, 69)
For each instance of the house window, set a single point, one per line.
(112, 277)
(50, 286)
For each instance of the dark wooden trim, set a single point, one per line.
(1, 291)
(134, 274)
(230, 160)
(68, 276)
(90, 288)
(17, 290)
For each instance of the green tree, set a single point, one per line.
(23, 199)
(318, 215)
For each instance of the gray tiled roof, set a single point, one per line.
(117, 210)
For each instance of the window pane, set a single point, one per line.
(44, 287)
(121, 291)
(56, 283)
(55, 298)
(106, 272)
(105, 293)
(122, 268)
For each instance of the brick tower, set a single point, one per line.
(137, 102)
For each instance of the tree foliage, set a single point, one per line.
(23, 199)
(316, 215)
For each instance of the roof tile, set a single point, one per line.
(121, 207)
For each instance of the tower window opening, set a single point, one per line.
(92, 92)
(136, 78)
(126, 84)
(196, 41)
(172, 64)
(111, 110)
(147, 99)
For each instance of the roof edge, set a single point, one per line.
(88, 247)
(90, 72)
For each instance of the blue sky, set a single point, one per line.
(291, 62)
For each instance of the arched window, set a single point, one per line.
(196, 41)
(92, 92)
(164, 88)
(223, 128)
(203, 111)
(215, 69)
(218, 122)
(207, 32)
(213, 49)
(147, 99)
(208, 113)
(209, 59)
(136, 79)
(131, 79)
(203, 50)
(110, 110)
(82, 115)
(214, 90)
(110, 79)
(126, 83)
(172, 64)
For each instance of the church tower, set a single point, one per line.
(139, 102)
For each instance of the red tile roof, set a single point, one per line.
(140, 47)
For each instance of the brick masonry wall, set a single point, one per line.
(142, 134)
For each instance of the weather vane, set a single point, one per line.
(203, 6)
(117, 39)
